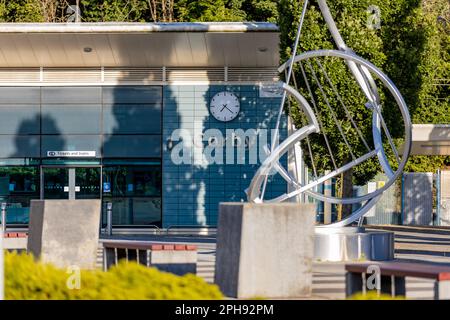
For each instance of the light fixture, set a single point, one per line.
(262, 49)
(87, 49)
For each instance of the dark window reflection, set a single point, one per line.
(135, 192)
(18, 185)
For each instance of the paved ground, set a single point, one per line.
(416, 244)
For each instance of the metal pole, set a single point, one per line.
(437, 221)
(3, 217)
(283, 98)
(2, 265)
(326, 205)
(2, 273)
(109, 218)
(402, 213)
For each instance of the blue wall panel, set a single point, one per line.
(192, 192)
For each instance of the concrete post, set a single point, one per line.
(442, 290)
(65, 232)
(265, 250)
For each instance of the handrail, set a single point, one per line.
(146, 245)
(186, 226)
(149, 226)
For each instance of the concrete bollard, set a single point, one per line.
(265, 250)
(109, 218)
(65, 232)
(3, 217)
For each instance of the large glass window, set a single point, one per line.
(132, 146)
(71, 118)
(19, 119)
(19, 146)
(18, 186)
(132, 94)
(71, 143)
(120, 127)
(72, 95)
(135, 192)
(19, 95)
(132, 118)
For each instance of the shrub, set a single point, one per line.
(372, 295)
(26, 279)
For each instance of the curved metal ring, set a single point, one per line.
(376, 126)
(371, 198)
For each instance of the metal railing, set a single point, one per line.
(2, 275)
(108, 230)
(187, 229)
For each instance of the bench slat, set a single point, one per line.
(145, 245)
(404, 269)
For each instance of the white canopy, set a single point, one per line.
(138, 45)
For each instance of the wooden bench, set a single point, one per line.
(15, 235)
(175, 258)
(392, 277)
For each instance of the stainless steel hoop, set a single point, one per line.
(362, 71)
(273, 160)
(375, 123)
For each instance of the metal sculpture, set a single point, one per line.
(312, 72)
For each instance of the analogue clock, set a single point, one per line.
(224, 106)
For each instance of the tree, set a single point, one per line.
(115, 10)
(260, 10)
(161, 10)
(209, 10)
(410, 47)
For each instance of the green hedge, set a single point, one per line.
(27, 279)
(372, 295)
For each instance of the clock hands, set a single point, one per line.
(225, 107)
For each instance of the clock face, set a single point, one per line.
(224, 106)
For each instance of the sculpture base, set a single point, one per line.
(352, 243)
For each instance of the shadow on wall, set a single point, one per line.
(191, 191)
(418, 198)
(132, 133)
(27, 144)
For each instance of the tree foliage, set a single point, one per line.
(139, 10)
(411, 47)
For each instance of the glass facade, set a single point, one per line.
(135, 192)
(18, 186)
(120, 128)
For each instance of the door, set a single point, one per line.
(70, 183)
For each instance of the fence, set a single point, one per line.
(419, 198)
(443, 198)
